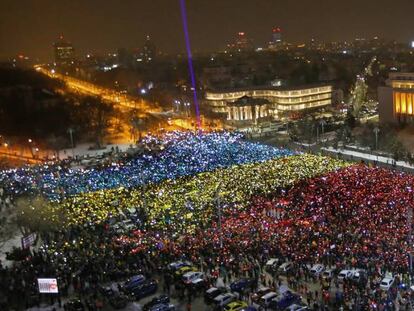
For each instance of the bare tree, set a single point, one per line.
(100, 113)
(137, 127)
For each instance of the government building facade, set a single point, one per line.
(396, 99)
(252, 106)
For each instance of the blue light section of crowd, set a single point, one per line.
(178, 154)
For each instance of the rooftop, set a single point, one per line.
(269, 87)
(249, 101)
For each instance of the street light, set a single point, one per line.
(376, 131)
(70, 131)
(187, 107)
(323, 123)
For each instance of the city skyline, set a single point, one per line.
(31, 27)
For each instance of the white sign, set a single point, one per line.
(48, 286)
(28, 241)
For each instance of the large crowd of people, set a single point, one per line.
(174, 155)
(248, 203)
(356, 216)
(178, 204)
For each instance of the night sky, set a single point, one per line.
(31, 26)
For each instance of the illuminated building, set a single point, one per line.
(241, 43)
(272, 103)
(247, 111)
(148, 50)
(396, 99)
(64, 52)
(276, 41)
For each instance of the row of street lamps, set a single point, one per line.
(177, 104)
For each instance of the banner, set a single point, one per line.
(48, 286)
(28, 241)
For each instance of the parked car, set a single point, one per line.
(265, 299)
(360, 277)
(345, 274)
(272, 264)
(328, 274)
(317, 269)
(285, 267)
(147, 288)
(162, 307)
(198, 284)
(297, 307)
(260, 293)
(387, 282)
(191, 276)
(107, 290)
(174, 266)
(163, 299)
(224, 299)
(183, 270)
(283, 301)
(212, 293)
(134, 282)
(235, 305)
(241, 285)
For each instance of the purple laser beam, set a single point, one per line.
(190, 61)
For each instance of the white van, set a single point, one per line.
(265, 300)
(224, 299)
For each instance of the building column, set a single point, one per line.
(403, 103)
(410, 104)
(397, 104)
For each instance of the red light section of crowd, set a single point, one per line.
(355, 216)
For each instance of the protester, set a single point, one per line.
(227, 215)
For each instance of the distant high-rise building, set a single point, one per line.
(276, 41)
(241, 43)
(63, 51)
(276, 35)
(148, 50)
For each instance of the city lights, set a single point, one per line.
(207, 155)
